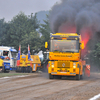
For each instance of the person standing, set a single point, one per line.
(1, 65)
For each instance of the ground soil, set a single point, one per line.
(37, 86)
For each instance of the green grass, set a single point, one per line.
(12, 74)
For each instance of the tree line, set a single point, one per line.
(23, 30)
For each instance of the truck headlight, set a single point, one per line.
(52, 66)
(74, 65)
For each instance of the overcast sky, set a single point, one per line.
(10, 8)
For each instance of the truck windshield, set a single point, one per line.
(14, 54)
(64, 46)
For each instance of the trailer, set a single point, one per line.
(27, 63)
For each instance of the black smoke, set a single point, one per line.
(75, 14)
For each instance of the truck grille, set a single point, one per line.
(63, 64)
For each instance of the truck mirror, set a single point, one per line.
(46, 44)
(82, 45)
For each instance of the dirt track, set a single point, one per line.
(39, 87)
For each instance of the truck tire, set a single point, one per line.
(38, 69)
(3, 69)
(78, 76)
(83, 73)
(58, 77)
(51, 76)
(16, 69)
(30, 69)
(22, 69)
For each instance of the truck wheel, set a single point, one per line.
(51, 76)
(78, 77)
(58, 77)
(6, 71)
(81, 76)
(30, 69)
(3, 69)
(16, 69)
(38, 69)
(22, 69)
(83, 73)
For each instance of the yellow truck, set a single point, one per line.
(65, 55)
(28, 66)
(22, 65)
(36, 63)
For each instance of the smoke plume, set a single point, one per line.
(81, 16)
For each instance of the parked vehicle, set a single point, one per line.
(8, 55)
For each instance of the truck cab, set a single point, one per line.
(65, 55)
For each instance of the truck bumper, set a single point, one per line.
(63, 73)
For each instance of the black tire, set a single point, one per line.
(25, 69)
(6, 71)
(16, 69)
(81, 76)
(83, 73)
(38, 69)
(22, 69)
(58, 77)
(30, 69)
(78, 76)
(51, 76)
(3, 69)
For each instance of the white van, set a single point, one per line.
(11, 53)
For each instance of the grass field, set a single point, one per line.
(12, 74)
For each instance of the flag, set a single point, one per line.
(19, 53)
(29, 57)
(18, 57)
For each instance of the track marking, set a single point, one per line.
(95, 97)
(14, 76)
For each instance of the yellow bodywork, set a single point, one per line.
(65, 63)
(34, 63)
(64, 68)
(22, 59)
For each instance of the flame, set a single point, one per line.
(86, 34)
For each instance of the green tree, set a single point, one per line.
(20, 26)
(95, 55)
(33, 40)
(3, 31)
(45, 31)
